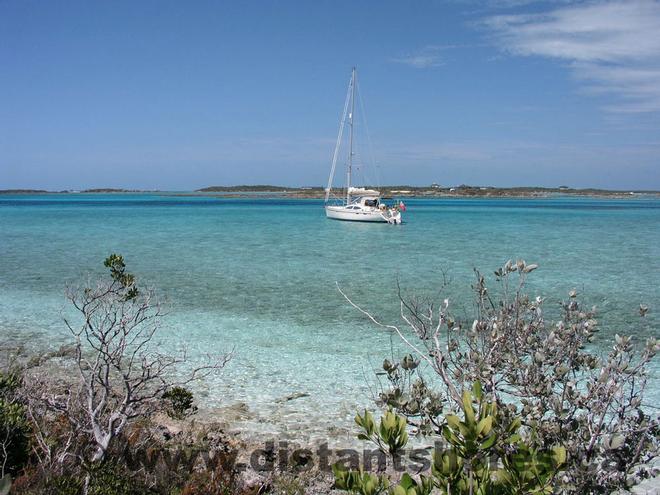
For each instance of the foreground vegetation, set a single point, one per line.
(513, 402)
(93, 432)
(478, 459)
(551, 396)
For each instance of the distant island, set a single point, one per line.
(315, 192)
(23, 191)
(432, 191)
(69, 191)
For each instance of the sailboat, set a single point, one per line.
(357, 204)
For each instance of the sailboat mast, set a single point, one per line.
(350, 147)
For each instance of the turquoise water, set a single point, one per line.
(260, 275)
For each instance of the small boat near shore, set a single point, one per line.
(357, 204)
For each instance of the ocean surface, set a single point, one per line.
(260, 276)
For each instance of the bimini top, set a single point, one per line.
(361, 191)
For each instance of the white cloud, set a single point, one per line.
(612, 47)
(429, 56)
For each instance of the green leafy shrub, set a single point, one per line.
(65, 485)
(118, 273)
(359, 481)
(14, 426)
(391, 436)
(112, 479)
(179, 402)
(107, 478)
(478, 458)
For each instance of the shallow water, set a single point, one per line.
(260, 275)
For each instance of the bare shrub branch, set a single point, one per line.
(121, 374)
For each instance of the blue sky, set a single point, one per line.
(181, 95)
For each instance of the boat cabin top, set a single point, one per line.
(365, 202)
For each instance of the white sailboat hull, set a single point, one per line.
(375, 215)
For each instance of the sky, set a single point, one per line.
(182, 95)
